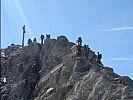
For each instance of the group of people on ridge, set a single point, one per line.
(42, 39)
(79, 46)
(86, 50)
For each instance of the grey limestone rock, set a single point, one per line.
(54, 72)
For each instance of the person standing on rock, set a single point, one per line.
(79, 50)
(85, 50)
(79, 41)
(88, 49)
(42, 39)
(29, 41)
(34, 40)
(48, 36)
(99, 57)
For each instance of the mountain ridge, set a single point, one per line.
(55, 72)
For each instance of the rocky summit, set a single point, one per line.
(53, 71)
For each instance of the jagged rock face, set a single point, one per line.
(54, 72)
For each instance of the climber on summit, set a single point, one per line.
(48, 36)
(34, 40)
(99, 57)
(29, 41)
(79, 41)
(12, 44)
(86, 50)
(79, 50)
(42, 38)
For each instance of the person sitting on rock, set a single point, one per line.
(29, 41)
(42, 38)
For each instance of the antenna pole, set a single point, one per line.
(23, 35)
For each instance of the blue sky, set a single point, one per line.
(106, 25)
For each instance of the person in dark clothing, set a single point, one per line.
(85, 50)
(34, 40)
(99, 57)
(48, 36)
(79, 50)
(88, 50)
(42, 39)
(29, 41)
(79, 41)
(12, 44)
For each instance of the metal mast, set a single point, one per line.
(23, 35)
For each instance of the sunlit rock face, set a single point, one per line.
(55, 72)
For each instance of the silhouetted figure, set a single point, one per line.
(85, 49)
(29, 41)
(88, 50)
(23, 35)
(12, 44)
(34, 40)
(79, 41)
(79, 50)
(99, 57)
(48, 36)
(42, 39)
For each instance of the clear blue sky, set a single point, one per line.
(106, 25)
